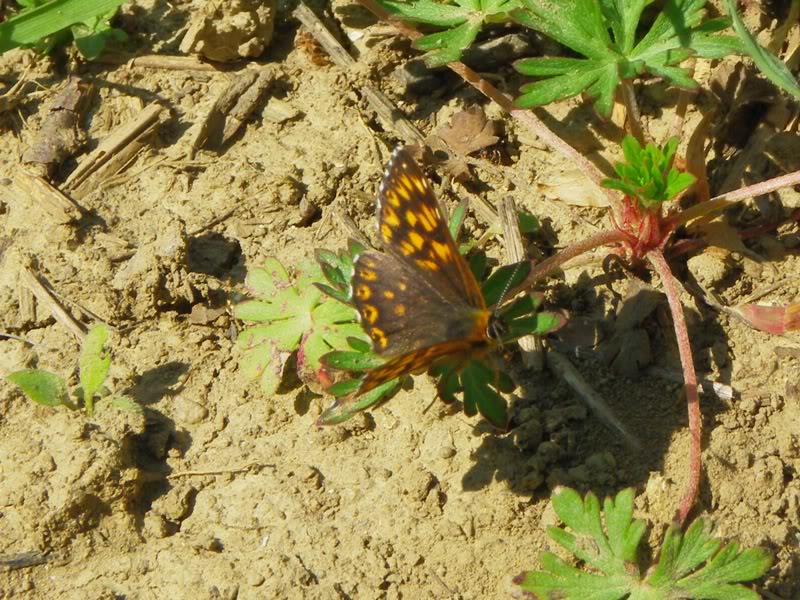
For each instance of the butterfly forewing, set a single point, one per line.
(418, 301)
(412, 228)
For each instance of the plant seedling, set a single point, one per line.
(294, 319)
(44, 25)
(49, 389)
(605, 544)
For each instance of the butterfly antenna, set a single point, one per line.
(508, 287)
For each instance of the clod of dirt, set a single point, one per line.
(229, 30)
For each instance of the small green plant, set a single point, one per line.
(294, 320)
(604, 33)
(49, 389)
(45, 24)
(647, 173)
(690, 565)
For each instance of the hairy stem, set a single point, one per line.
(720, 203)
(689, 382)
(526, 117)
(548, 265)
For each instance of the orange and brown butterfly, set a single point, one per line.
(418, 301)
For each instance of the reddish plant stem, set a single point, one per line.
(719, 203)
(548, 265)
(690, 382)
(526, 117)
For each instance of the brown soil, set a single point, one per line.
(220, 492)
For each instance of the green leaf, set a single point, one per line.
(95, 363)
(33, 25)
(124, 403)
(648, 175)
(770, 65)
(43, 387)
(689, 566)
(345, 360)
(426, 11)
(347, 407)
(461, 19)
(503, 279)
(446, 46)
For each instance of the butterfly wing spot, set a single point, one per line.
(378, 338)
(368, 275)
(407, 248)
(420, 184)
(391, 196)
(370, 313)
(363, 292)
(388, 294)
(390, 218)
(411, 218)
(427, 264)
(386, 233)
(400, 310)
(402, 286)
(416, 239)
(428, 218)
(442, 251)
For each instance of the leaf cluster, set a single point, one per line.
(292, 318)
(690, 565)
(49, 389)
(647, 173)
(604, 35)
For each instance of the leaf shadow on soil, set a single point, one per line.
(159, 437)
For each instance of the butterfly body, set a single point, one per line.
(418, 300)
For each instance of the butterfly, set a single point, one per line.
(418, 301)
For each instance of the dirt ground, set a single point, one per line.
(221, 492)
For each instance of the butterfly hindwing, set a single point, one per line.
(412, 228)
(417, 361)
(401, 311)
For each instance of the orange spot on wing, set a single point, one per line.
(388, 294)
(442, 251)
(416, 239)
(379, 338)
(411, 218)
(370, 313)
(400, 310)
(368, 275)
(386, 232)
(428, 218)
(427, 264)
(363, 292)
(390, 217)
(391, 196)
(407, 248)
